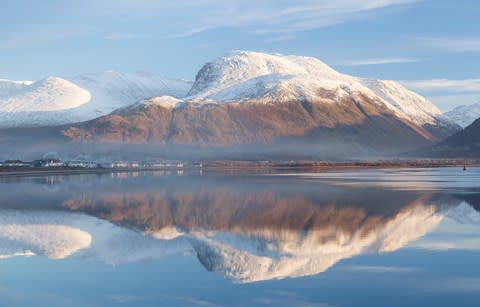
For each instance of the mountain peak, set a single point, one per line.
(240, 66)
(465, 115)
(274, 78)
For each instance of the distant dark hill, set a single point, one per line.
(465, 143)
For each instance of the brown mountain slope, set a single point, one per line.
(353, 123)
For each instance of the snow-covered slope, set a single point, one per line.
(112, 90)
(244, 75)
(54, 101)
(406, 103)
(464, 115)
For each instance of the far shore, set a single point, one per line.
(226, 166)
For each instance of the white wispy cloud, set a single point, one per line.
(191, 31)
(275, 19)
(120, 36)
(449, 102)
(450, 85)
(281, 38)
(382, 269)
(36, 36)
(124, 298)
(262, 17)
(451, 44)
(380, 61)
(447, 93)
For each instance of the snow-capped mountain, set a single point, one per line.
(258, 98)
(464, 115)
(47, 95)
(55, 101)
(268, 104)
(272, 78)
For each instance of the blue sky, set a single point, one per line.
(432, 46)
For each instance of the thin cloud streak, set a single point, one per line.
(456, 86)
(451, 44)
(380, 61)
(447, 93)
(264, 17)
(120, 36)
(282, 38)
(449, 102)
(38, 36)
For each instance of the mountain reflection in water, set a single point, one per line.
(249, 228)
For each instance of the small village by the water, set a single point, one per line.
(57, 163)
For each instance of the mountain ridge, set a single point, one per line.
(254, 98)
(270, 102)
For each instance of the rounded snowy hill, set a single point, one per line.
(55, 101)
(49, 94)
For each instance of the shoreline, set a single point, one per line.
(246, 166)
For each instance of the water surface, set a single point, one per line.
(391, 237)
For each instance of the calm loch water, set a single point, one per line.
(403, 237)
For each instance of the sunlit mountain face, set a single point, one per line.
(248, 228)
